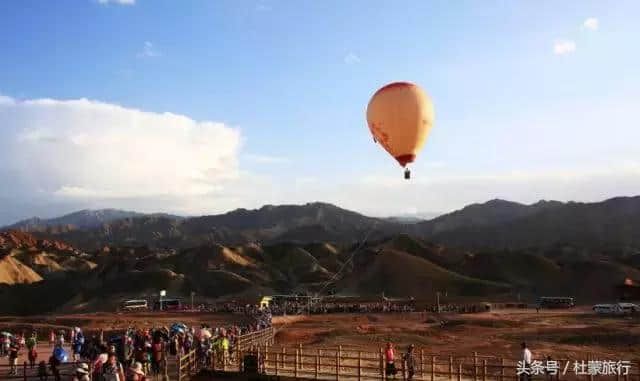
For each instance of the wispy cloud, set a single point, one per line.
(148, 50)
(266, 159)
(120, 2)
(351, 59)
(591, 23)
(125, 73)
(564, 47)
(262, 6)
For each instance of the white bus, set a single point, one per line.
(135, 305)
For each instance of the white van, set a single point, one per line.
(135, 305)
(629, 308)
(607, 309)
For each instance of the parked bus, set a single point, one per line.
(135, 305)
(556, 302)
(168, 305)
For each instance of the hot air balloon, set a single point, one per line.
(400, 116)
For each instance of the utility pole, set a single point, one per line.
(162, 293)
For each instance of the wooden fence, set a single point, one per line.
(26, 372)
(339, 363)
(348, 364)
(189, 364)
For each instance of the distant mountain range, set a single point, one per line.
(81, 220)
(611, 224)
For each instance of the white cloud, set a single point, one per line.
(6, 100)
(80, 152)
(591, 23)
(266, 159)
(351, 59)
(121, 2)
(564, 47)
(306, 180)
(148, 50)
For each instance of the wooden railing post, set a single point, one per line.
(277, 355)
(459, 371)
(403, 370)
(450, 367)
(502, 369)
(359, 365)
(382, 364)
(475, 366)
(295, 364)
(266, 358)
(24, 371)
(484, 370)
(301, 357)
(422, 364)
(284, 351)
(317, 364)
(433, 367)
(337, 365)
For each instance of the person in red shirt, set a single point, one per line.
(389, 359)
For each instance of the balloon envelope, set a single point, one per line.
(400, 116)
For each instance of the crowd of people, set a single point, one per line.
(301, 307)
(132, 355)
(459, 308)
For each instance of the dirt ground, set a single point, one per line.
(572, 334)
(568, 334)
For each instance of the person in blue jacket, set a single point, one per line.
(78, 343)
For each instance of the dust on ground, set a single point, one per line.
(570, 334)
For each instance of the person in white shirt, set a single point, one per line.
(526, 360)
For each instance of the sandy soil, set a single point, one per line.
(570, 334)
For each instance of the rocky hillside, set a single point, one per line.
(27, 259)
(399, 266)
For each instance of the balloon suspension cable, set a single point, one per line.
(364, 241)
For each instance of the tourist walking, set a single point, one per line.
(410, 362)
(526, 363)
(389, 359)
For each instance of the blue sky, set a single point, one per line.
(534, 100)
